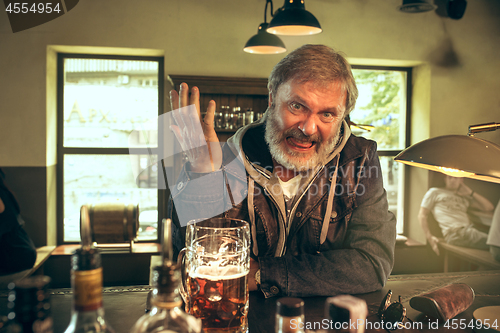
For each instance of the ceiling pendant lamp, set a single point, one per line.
(294, 20)
(416, 6)
(264, 42)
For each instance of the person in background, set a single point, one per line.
(311, 191)
(17, 251)
(494, 234)
(449, 207)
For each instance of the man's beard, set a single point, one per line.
(293, 160)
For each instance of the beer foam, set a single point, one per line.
(219, 273)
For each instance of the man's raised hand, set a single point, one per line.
(196, 136)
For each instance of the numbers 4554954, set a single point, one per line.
(474, 324)
(36, 8)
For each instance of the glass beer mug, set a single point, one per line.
(215, 266)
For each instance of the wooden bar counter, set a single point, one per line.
(124, 305)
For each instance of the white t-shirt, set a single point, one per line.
(290, 190)
(291, 187)
(494, 234)
(449, 209)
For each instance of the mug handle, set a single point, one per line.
(181, 259)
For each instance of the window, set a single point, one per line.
(382, 114)
(108, 109)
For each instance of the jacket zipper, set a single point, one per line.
(284, 221)
(292, 211)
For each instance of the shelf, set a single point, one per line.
(227, 91)
(223, 85)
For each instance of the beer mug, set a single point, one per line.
(215, 265)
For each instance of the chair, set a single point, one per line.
(434, 227)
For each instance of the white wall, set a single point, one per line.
(207, 37)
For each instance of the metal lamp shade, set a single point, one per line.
(416, 6)
(456, 155)
(294, 20)
(264, 42)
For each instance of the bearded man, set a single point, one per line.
(311, 190)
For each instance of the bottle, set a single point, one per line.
(234, 118)
(346, 313)
(289, 315)
(219, 119)
(229, 118)
(29, 301)
(248, 116)
(166, 314)
(87, 315)
(241, 118)
(225, 117)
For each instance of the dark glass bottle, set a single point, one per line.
(166, 314)
(87, 315)
(29, 302)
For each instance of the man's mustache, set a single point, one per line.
(301, 137)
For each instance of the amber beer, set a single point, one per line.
(220, 301)
(215, 265)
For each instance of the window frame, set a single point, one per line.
(407, 139)
(162, 194)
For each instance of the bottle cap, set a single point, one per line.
(290, 307)
(86, 257)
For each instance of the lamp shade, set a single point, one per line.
(456, 155)
(264, 42)
(416, 6)
(294, 20)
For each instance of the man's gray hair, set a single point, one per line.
(315, 63)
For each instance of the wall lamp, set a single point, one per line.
(264, 42)
(294, 20)
(457, 155)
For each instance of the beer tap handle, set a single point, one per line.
(86, 238)
(167, 252)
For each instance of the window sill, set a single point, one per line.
(137, 248)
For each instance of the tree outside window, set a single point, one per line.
(381, 114)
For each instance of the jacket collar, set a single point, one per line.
(350, 152)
